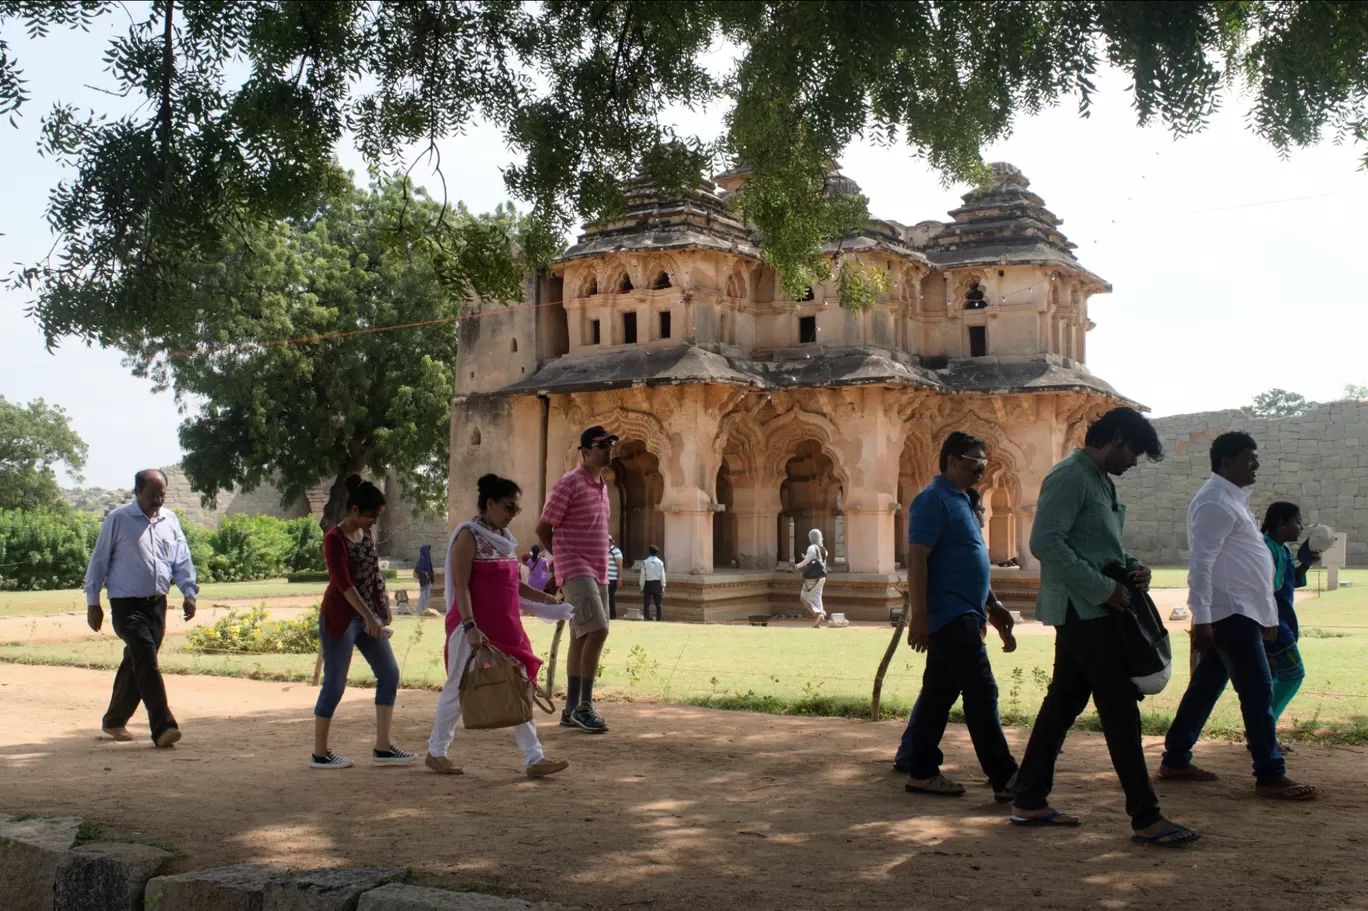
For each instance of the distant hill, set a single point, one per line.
(96, 499)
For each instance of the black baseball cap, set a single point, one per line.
(594, 436)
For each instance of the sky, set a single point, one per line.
(1233, 269)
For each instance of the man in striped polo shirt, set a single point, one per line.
(574, 529)
(614, 573)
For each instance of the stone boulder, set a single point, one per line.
(397, 897)
(238, 888)
(324, 890)
(107, 876)
(30, 852)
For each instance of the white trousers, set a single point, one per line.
(812, 595)
(449, 707)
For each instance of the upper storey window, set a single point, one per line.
(808, 295)
(592, 288)
(662, 280)
(974, 298)
(625, 285)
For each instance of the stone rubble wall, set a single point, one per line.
(1315, 460)
(43, 867)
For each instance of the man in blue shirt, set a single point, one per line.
(140, 551)
(948, 588)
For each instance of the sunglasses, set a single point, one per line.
(981, 463)
(513, 508)
(604, 444)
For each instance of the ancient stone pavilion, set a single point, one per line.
(748, 419)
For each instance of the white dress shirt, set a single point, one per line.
(138, 557)
(1230, 570)
(652, 570)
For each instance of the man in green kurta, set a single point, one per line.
(1077, 534)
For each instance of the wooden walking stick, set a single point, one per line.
(551, 662)
(887, 658)
(318, 668)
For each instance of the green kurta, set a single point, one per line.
(1077, 532)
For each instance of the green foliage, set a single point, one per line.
(33, 439)
(250, 631)
(200, 540)
(1278, 403)
(42, 550)
(321, 575)
(236, 109)
(250, 547)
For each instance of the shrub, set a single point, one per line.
(308, 548)
(47, 549)
(317, 575)
(201, 542)
(251, 547)
(250, 631)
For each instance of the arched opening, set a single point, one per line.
(808, 295)
(625, 284)
(974, 298)
(661, 281)
(474, 436)
(1000, 530)
(736, 286)
(810, 497)
(514, 346)
(592, 288)
(724, 522)
(637, 521)
(915, 471)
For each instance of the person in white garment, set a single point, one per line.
(1230, 595)
(814, 569)
(485, 598)
(653, 583)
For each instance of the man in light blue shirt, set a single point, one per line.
(141, 550)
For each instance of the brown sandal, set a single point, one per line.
(938, 785)
(1290, 791)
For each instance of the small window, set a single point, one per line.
(807, 330)
(974, 299)
(475, 436)
(625, 285)
(592, 289)
(808, 295)
(661, 281)
(515, 346)
(978, 341)
(629, 328)
(665, 324)
(596, 335)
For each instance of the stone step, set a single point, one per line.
(398, 897)
(324, 890)
(30, 852)
(238, 888)
(107, 875)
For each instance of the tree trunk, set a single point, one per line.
(336, 509)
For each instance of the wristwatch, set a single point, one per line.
(467, 626)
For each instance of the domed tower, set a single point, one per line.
(748, 419)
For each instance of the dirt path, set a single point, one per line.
(676, 808)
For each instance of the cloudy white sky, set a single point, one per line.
(1232, 268)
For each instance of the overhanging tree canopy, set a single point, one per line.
(579, 88)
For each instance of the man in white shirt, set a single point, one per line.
(614, 573)
(1230, 595)
(652, 583)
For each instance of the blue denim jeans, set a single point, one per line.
(1238, 658)
(424, 596)
(957, 666)
(337, 656)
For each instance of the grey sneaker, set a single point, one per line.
(586, 719)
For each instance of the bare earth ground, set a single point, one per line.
(676, 808)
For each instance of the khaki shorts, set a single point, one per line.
(589, 599)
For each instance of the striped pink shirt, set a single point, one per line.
(577, 511)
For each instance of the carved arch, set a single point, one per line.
(782, 434)
(629, 425)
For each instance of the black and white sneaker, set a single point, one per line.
(566, 720)
(393, 756)
(586, 719)
(331, 761)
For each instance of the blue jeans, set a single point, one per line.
(957, 666)
(1238, 657)
(337, 655)
(424, 596)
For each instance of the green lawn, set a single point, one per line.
(1176, 577)
(815, 671)
(43, 604)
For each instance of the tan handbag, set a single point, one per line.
(495, 693)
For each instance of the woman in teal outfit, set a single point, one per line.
(1283, 526)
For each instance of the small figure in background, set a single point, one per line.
(425, 574)
(652, 583)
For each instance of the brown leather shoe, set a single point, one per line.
(443, 765)
(167, 738)
(547, 767)
(119, 734)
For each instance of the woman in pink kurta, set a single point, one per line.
(483, 590)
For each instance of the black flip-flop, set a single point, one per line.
(1157, 841)
(1047, 820)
